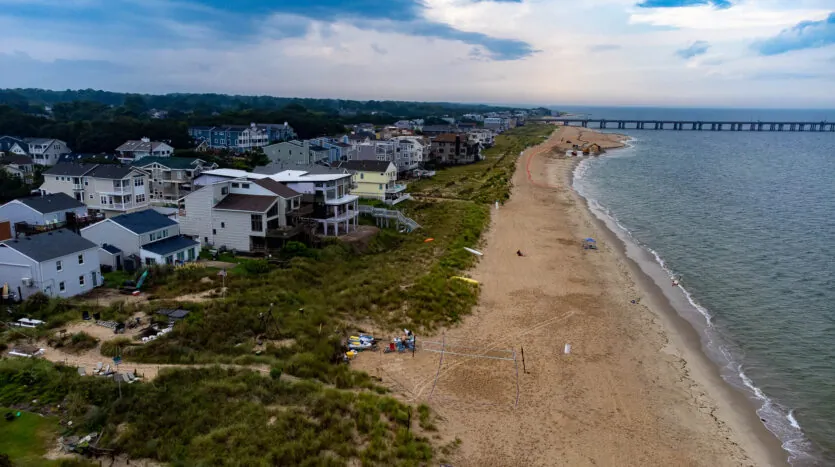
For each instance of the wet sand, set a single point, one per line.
(635, 388)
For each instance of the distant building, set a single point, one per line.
(104, 188)
(452, 149)
(376, 180)
(43, 151)
(298, 152)
(19, 166)
(134, 150)
(171, 178)
(241, 137)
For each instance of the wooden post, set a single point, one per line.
(414, 345)
(524, 369)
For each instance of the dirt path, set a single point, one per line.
(621, 397)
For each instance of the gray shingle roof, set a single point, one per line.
(278, 188)
(143, 221)
(366, 166)
(247, 203)
(111, 249)
(170, 245)
(139, 146)
(52, 203)
(110, 171)
(186, 163)
(16, 159)
(50, 245)
(73, 170)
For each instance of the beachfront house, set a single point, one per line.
(44, 151)
(149, 235)
(452, 149)
(376, 180)
(58, 263)
(243, 214)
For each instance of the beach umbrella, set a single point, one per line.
(590, 240)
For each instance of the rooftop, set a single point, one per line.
(366, 166)
(51, 203)
(278, 188)
(447, 138)
(15, 159)
(71, 169)
(234, 173)
(170, 245)
(110, 171)
(50, 245)
(143, 221)
(111, 249)
(139, 145)
(247, 203)
(183, 163)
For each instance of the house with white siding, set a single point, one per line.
(58, 263)
(20, 166)
(254, 216)
(105, 188)
(44, 151)
(36, 214)
(171, 178)
(149, 235)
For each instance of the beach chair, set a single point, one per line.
(106, 370)
(97, 370)
(129, 378)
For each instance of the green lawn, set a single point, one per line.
(27, 438)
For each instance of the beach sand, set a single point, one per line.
(635, 388)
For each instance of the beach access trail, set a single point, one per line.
(624, 395)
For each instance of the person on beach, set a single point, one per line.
(519, 253)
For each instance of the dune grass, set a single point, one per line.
(210, 415)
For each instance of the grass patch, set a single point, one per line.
(486, 181)
(28, 438)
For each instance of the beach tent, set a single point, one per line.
(589, 244)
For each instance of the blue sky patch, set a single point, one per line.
(684, 3)
(805, 35)
(697, 48)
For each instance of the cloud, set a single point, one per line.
(604, 47)
(684, 3)
(694, 50)
(804, 35)
(378, 49)
(789, 76)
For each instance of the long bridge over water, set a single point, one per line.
(693, 125)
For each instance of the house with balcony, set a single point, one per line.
(376, 180)
(7, 142)
(38, 214)
(255, 216)
(152, 237)
(171, 178)
(105, 189)
(241, 137)
(58, 263)
(453, 149)
(19, 166)
(43, 151)
(135, 150)
(335, 209)
(483, 137)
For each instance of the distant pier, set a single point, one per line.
(691, 125)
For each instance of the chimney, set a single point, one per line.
(145, 139)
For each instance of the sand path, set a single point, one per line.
(623, 396)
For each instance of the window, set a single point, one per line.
(164, 234)
(236, 185)
(61, 287)
(381, 186)
(140, 198)
(59, 266)
(224, 190)
(104, 200)
(80, 259)
(257, 223)
(138, 181)
(214, 231)
(362, 175)
(169, 259)
(223, 225)
(191, 254)
(181, 256)
(81, 280)
(245, 186)
(150, 261)
(273, 211)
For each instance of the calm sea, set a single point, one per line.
(748, 221)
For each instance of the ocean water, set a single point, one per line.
(748, 221)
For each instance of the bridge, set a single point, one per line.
(692, 125)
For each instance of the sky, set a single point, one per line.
(725, 53)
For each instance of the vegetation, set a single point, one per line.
(24, 441)
(312, 302)
(253, 419)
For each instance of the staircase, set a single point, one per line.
(385, 215)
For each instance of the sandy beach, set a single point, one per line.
(635, 388)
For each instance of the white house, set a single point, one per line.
(44, 151)
(171, 178)
(41, 213)
(134, 150)
(482, 136)
(18, 165)
(104, 188)
(58, 263)
(151, 236)
(242, 214)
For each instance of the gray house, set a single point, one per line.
(58, 263)
(37, 214)
(151, 236)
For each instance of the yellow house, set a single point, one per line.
(376, 180)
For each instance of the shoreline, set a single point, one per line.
(736, 407)
(630, 391)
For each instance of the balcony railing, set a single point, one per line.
(284, 232)
(395, 188)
